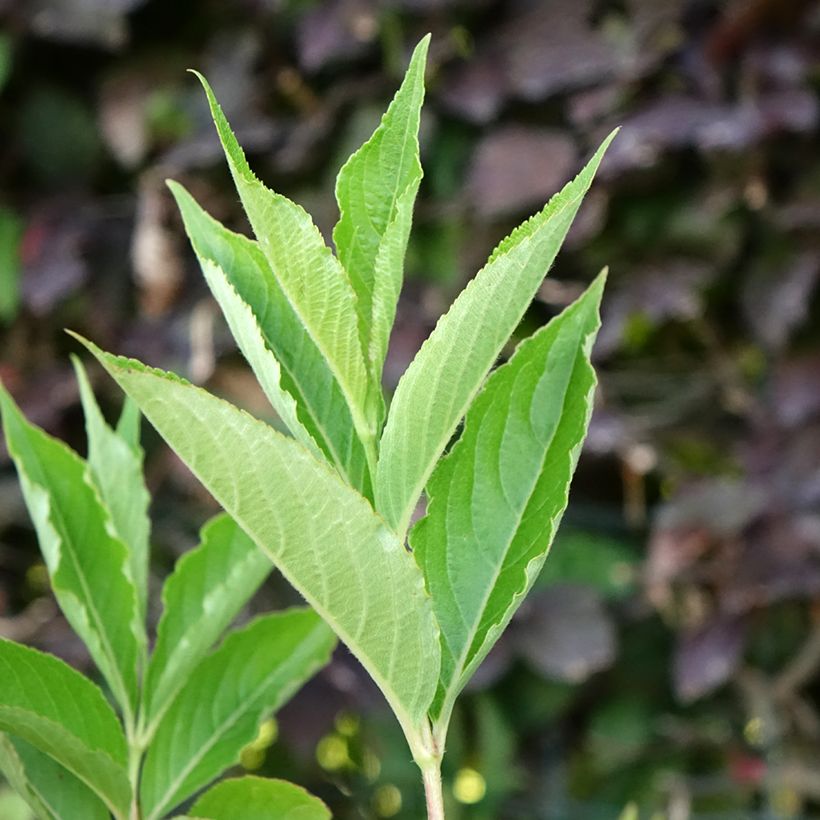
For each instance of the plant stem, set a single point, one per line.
(431, 774)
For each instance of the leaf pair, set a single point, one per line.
(331, 506)
(188, 710)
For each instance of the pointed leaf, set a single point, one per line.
(205, 592)
(438, 387)
(376, 189)
(52, 792)
(219, 710)
(116, 466)
(289, 366)
(87, 563)
(258, 798)
(312, 279)
(54, 708)
(496, 499)
(321, 534)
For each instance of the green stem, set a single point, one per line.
(431, 774)
(136, 749)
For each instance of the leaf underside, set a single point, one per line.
(321, 534)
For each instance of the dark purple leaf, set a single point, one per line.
(335, 30)
(516, 168)
(707, 657)
(565, 633)
(776, 302)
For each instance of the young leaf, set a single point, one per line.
(289, 366)
(218, 711)
(310, 276)
(87, 564)
(48, 704)
(440, 383)
(258, 798)
(52, 792)
(496, 499)
(321, 534)
(208, 587)
(116, 466)
(376, 190)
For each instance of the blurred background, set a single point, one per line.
(668, 663)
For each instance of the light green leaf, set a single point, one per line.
(321, 534)
(312, 279)
(258, 798)
(289, 366)
(205, 592)
(496, 499)
(128, 426)
(218, 712)
(54, 708)
(442, 380)
(87, 563)
(376, 190)
(116, 466)
(52, 792)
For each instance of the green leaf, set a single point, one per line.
(442, 380)
(206, 591)
(88, 565)
(116, 466)
(128, 426)
(496, 499)
(11, 231)
(258, 798)
(376, 190)
(312, 279)
(290, 367)
(219, 710)
(54, 708)
(6, 53)
(52, 792)
(321, 534)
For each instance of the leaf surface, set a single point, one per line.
(207, 589)
(116, 466)
(449, 369)
(289, 366)
(496, 499)
(258, 798)
(313, 280)
(51, 791)
(48, 704)
(322, 535)
(219, 710)
(376, 189)
(87, 563)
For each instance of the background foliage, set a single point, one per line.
(670, 654)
